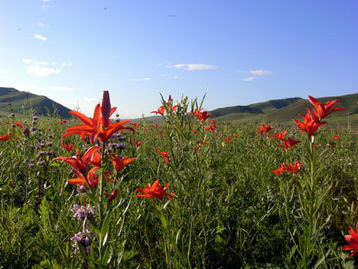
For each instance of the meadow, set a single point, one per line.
(188, 192)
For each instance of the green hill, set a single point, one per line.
(284, 110)
(257, 111)
(22, 102)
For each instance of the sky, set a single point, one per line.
(237, 52)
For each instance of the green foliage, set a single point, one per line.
(229, 209)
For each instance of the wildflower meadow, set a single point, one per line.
(183, 192)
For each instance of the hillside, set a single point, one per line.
(284, 110)
(23, 102)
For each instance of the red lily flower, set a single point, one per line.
(135, 124)
(91, 177)
(290, 167)
(280, 170)
(352, 240)
(154, 191)
(212, 126)
(62, 121)
(81, 163)
(100, 126)
(5, 137)
(228, 139)
(165, 156)
(310, 123)
(335, 138)
(264, 129)
(138, 143)
(160, 111)
(293, 168)
(201, 116)
(119, 164)
(19, 124)
(289, 143)
(281, 135)
(323, 110)
(68, 147)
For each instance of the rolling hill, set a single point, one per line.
(284, 110)
(22, 102)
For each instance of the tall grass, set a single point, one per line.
(229, 209)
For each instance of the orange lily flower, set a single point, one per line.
(91, 177)
(264, 129)
(81, 163)
(212, 126)
(290, 167)
(135, 124)
(68, 147)
(310, 123)
(201, 116)
(5, 137)
(281, 135)
(119, 164)
(100, 126)
(160, 111)
(352, 240)
(154, 190)
(323, 110)
(164, 154)
(289, 143)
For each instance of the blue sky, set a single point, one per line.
(237, 52)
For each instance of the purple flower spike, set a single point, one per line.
(80, 212)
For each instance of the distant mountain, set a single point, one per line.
(283, 111)
(21, 102)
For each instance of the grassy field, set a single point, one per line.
(224, 207)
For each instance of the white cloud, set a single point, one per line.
(192, 67)
(249, 79)
(45, 1)
(140, 79)
(41, 24)
(40, 37)
(42, 69)
(260, 72)
(4, 71)
(64, 89)
(66, 64)
(42, 89)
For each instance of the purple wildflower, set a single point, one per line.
(80, 212)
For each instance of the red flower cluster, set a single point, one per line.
(290, 167)
(80, 165)
(264, 129)
(5, 137)
(164, 154)
(68, 147)
(212, 126)
(154, 190)
(168, 107)
(100, 128)
(18, 124)
(135, 124)
(289, 143)
(119, 164)
(311, 122)
(201, 116)
(352, 240)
